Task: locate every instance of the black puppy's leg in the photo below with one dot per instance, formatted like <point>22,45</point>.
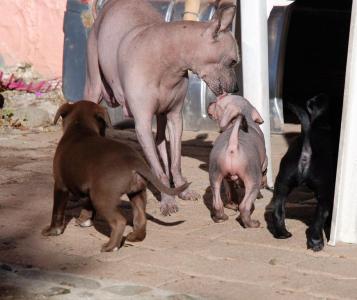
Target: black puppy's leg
<point>283,187</point>
<point>57,226</point>
<point>138,202</point>
<point>315,240</point>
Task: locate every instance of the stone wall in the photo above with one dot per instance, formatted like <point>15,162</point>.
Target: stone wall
<point>32,31</point>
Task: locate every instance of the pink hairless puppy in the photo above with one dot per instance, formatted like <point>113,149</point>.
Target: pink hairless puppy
<point>238,156</point>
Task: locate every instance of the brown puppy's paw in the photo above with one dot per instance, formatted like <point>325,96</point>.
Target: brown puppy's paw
<point>232,205</point>
<point>189,195</point>
<point>168,206</point>
<point>219,218</point>
<point>108,248</point>
<point>84,223</point>
<point>52,231</point>
<point>136,236</point>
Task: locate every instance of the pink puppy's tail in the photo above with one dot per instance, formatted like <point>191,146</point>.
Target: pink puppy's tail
<point>240,122</point>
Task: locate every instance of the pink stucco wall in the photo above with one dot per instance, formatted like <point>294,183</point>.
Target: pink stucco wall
<point>32,31</point>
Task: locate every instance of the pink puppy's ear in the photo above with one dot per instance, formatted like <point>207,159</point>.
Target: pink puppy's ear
<point>63,111</point>
<point>256,117</point>
<point>211,110</point>
<point>231,112</point>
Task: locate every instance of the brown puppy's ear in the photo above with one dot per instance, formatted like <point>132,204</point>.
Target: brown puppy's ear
<point>63,111</point>
<point>222,19</point>
<point>211,110</point>
<point>102,117</point>
<point>256,117</point>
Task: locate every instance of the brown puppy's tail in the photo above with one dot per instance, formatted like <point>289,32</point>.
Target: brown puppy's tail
<point>144,170</point>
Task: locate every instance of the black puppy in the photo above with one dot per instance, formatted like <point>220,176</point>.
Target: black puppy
<point>310,160</point>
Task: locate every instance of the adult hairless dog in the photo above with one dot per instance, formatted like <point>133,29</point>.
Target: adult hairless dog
<point>137,60</point>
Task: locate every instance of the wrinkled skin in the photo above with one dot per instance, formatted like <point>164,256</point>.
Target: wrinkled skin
<point>138,61</point>
<point>238,156</point>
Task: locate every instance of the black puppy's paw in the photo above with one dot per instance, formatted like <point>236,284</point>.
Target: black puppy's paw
<point>315,245</point>
<point>282,233</point>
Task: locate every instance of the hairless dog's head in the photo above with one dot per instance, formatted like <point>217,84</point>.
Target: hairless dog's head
<point>220,54</point>
<point>84,113</point>
<point>227,108</point>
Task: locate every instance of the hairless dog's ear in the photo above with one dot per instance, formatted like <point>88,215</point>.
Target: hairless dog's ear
<point>222,19</point>
<point>63,111</point>
<point>256,117</point>
<point>228,115</point>
<point>211,110</point>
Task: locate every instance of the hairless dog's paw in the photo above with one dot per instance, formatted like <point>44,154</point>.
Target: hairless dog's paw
<point>247,222</point>
<point>52,231</point>
<point>231,205</point>
<point>219,217</point>
<point>189,195</point>
<point>168,206</point>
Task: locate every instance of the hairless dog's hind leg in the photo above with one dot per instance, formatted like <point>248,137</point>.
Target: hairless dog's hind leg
<point>93,86</point>
<point>143,130</point>
<point>161,142</point>
<point>174,118</point>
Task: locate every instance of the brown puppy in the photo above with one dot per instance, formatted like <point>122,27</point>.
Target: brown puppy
<point>88,164</point>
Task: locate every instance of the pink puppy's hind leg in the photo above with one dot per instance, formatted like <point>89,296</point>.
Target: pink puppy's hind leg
<point>247,205</point>
<point>218,214</point>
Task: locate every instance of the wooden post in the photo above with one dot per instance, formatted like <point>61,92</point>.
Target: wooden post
<point>192,8</point>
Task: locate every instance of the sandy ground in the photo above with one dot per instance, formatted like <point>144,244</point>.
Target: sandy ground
<point>184,256</point>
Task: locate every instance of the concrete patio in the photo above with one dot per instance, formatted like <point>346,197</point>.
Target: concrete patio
<point>184,256</point>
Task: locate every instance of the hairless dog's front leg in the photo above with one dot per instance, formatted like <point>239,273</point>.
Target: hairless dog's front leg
<point>174,119</point>
<point>143,130</point>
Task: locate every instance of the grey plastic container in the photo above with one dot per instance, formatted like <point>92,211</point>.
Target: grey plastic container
<point>74,51</point>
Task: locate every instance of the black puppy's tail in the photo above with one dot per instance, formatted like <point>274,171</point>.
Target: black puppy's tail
<point>143,169</point>
<point>306,151</point>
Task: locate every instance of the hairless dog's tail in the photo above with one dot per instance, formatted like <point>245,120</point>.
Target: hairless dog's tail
<point>306,151</point>
<point>144,170</point>
<point>240,122</point>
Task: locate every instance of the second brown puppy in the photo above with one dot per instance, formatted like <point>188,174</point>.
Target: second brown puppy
<point>88,164</point>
